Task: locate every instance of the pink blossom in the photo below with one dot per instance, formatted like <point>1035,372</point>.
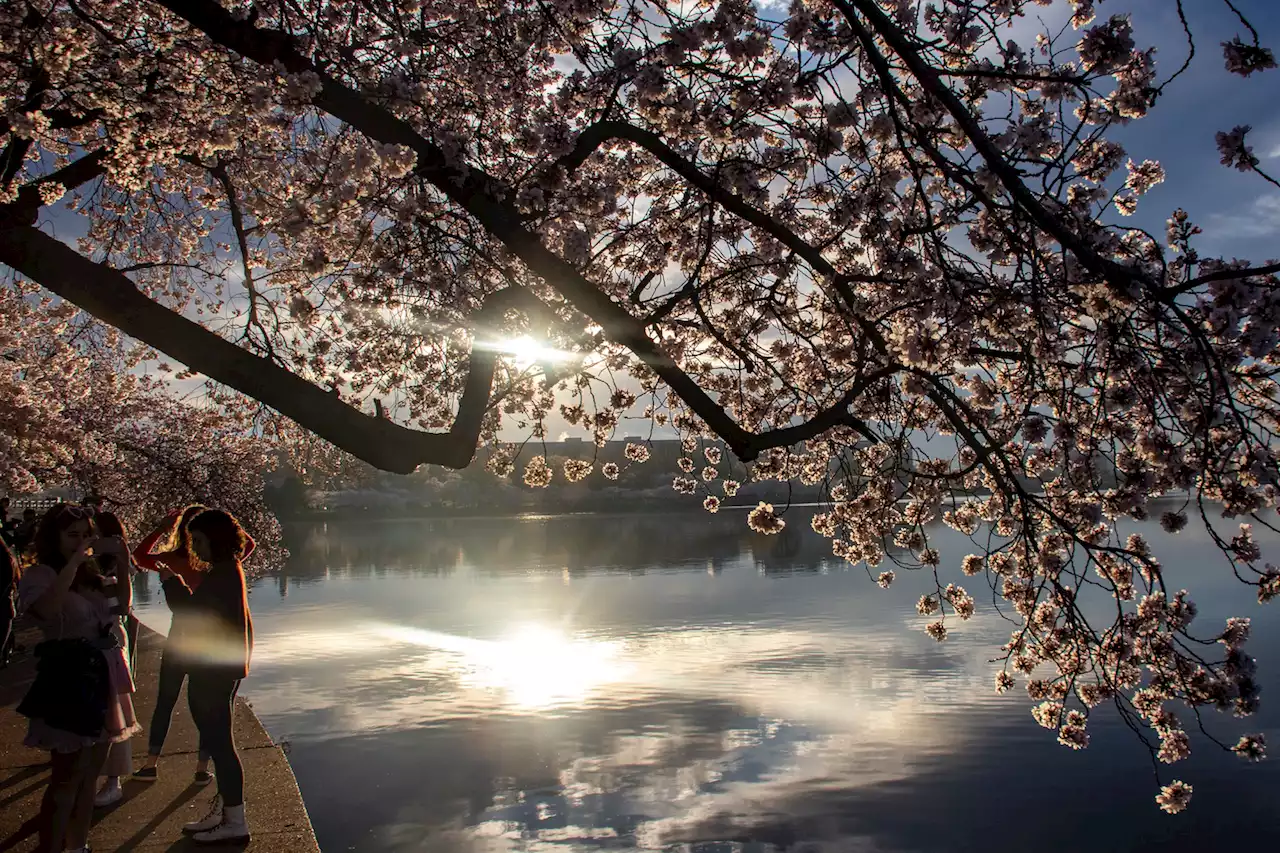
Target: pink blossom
<point>1251,747</point>
<point>576,470</point>
<point>1047,714</point>
<point>1244,59</point>
<point>762,519</point>
<point>1143,176</point>
<point>1073,733</point>
<point>1233,150</point>
<point>711,212</point>
<point>536,473</point>
<point>1174,797</point>
<point>1174,746</point>
<point>1082,13</point>
<point>1105,46</point>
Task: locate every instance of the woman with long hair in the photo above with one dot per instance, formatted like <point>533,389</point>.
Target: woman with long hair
<point>217,645</point>
<point>80,701</point>
<point>117,577</point>
<point>171,554</point>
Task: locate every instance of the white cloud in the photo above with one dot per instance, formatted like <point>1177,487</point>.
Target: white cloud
<point>1261,218</point>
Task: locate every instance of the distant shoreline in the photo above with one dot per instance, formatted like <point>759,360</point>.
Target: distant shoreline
<point>666,507</point>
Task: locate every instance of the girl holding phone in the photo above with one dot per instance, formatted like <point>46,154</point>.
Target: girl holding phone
<point>80,702</point>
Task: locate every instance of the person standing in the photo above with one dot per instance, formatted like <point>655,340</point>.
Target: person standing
<point>172,555</point>
<point>8,526</point>
<point>117,577</point>
<point>25,531</point>
<point>79,703</point>
<point>217,645</point>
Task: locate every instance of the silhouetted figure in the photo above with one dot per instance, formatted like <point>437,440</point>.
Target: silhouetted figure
<point>216,644</point>
<point>80,701</point>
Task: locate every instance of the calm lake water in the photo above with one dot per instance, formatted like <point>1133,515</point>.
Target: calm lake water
<point>676,682</point>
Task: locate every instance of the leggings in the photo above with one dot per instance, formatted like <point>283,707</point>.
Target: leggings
<point>213,700</point>
<point>131,625</point>
<point>172,673</point>
<point>66,810</point>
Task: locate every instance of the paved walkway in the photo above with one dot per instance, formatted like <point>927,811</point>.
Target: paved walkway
<point>150,817</point>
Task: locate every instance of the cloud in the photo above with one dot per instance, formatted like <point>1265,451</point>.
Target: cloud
<point>1260,218</point>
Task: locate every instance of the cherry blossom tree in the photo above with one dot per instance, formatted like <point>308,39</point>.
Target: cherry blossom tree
<point>80,415</point>
<point>814,233</point>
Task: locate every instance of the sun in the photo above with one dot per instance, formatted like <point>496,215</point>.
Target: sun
<point>526,352</point>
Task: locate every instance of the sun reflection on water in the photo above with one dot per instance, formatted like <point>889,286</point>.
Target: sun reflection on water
<point>534,667</point>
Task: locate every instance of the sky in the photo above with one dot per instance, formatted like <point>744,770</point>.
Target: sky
<point>1239,212</point>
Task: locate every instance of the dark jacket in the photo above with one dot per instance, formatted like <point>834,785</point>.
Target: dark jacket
<point>217,630</point>
<point>72,688</point>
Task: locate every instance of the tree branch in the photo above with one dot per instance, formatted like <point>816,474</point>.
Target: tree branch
<point>27,205</point>
<point>475,191</point>
<point>603,132</point>
<point>115,299</point>
<point>1222,275</point>
<point>112,297</point>
<point>219,172</point>
<point>16,151</point>
<point>970,123</point>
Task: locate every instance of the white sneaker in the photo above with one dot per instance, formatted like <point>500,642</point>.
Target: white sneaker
<point>209,821</point>
<point>110,794</point>
<point>233,829</point>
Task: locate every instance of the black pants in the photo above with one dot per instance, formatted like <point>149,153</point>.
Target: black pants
<point>213,700</point>
<point>131,626</point>
<point>172,673</point>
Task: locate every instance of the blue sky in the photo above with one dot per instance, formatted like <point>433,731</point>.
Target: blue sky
<point>1239,212</point>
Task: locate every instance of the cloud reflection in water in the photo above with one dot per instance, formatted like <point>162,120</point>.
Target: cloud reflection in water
<point>778,702</point>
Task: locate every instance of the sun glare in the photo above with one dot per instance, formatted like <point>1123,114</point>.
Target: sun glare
<point>526,351</point>
<point>534,667</point>
<point>537,667</point>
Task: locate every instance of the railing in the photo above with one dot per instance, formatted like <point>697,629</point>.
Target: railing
<point>18,504</point>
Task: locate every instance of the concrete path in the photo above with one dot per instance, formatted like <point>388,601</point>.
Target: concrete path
<point>150,817</point>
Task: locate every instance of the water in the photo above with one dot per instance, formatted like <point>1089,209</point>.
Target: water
<point>676,682</point>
